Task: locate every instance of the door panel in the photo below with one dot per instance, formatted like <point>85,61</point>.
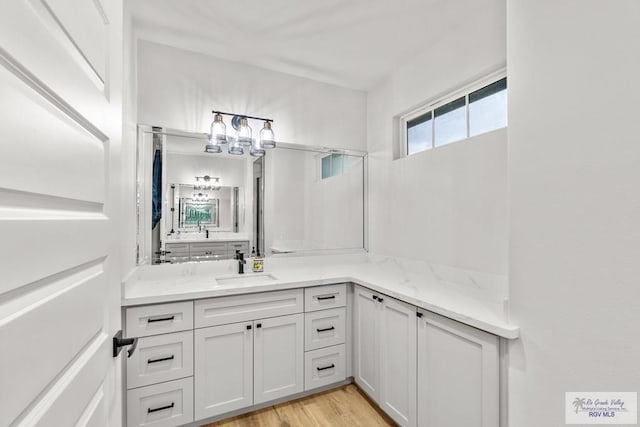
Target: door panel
<point>223,369</point>
<point>60,130</point>
<point>457,374</point>
<point>398,361</point>
<point>279,357</point>
<point>365,337</point>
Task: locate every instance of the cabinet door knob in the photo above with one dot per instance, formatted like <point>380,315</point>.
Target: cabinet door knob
<point>259,325</point>
<point>375,297</point>
<point>248,327</point>
<point>380,299</point>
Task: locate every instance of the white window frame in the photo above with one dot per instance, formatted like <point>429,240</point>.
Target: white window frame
<point>439,101</point>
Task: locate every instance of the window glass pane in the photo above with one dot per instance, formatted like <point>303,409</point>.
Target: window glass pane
<point>419,135</point>
<point>337,164</point>
<point>450,122</point>
<point>488,108</point>
<point>326,167</point>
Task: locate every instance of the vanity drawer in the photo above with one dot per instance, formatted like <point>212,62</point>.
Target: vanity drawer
<point>202,249</point>
<point>243,247</point>
<point>159,319</point>
<point>161,405</point>
<point>324,328</point>
<point>240,308</point>
<point>323,297</point>
<point>177,249</point>
<point>161,358</point>
<point>324,366</point>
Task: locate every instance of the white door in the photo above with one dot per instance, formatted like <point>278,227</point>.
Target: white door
<point>60,130</point>
<point>457,374</point>
<point>223,369</point>
<point>398,341</point>
<point>365,335</point>
<point>278,357</point>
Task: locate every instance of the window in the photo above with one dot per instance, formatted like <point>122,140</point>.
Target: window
<point>478,109</point>
<point>332,165</point>
<point>419,133</point>
<point>488,108</point>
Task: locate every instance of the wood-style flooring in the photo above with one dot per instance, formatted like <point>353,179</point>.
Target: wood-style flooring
<point>342,407</point>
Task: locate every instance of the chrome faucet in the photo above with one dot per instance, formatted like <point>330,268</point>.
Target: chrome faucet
<point>241,261</point>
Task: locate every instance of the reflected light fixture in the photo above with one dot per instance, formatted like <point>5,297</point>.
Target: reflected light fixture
<point>206,183</point>
<point>243,137</point>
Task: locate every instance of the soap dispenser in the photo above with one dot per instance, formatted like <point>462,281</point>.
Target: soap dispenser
<point>257,261</point>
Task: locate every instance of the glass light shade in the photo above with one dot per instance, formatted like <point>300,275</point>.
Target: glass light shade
<point>236,148</point>
<point>244,133</point>
<point>218,130</point>
<point>267,138</point>
<point>212,146</point>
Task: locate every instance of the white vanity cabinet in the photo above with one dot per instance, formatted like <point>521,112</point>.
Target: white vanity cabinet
<point>458,374</point>
<point>249,349</point>
<point>278,353</point>
<point>385,353</point>
<point>223,369</point>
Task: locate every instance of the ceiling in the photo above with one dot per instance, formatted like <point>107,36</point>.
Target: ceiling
<point>351,43</point>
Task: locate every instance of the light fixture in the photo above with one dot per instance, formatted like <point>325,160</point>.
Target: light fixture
<point>218,133</point>
<point>244,133</point>
<point>243,138</point>
<point>206,183</point>
<point>267,138</point>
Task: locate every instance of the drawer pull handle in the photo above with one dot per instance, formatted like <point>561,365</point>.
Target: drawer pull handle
<point>326,367</point>
<point>162,408</point>
<point>162,359</point>
<point>329,297</point>
<point>331,328</point>
<point>375,297</point>
<point>161,319</point>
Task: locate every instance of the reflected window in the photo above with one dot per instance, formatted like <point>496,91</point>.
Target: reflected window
<point>332,165</point>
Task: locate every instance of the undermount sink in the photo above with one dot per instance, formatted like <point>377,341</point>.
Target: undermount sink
<point>246,279</point>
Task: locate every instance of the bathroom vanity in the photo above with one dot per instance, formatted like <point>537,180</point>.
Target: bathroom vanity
<point>213,344</point>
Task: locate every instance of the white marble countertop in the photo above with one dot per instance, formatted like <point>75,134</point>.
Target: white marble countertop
<point>474,298</point>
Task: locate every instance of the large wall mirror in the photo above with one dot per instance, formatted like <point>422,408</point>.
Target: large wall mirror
<point>197,206</point>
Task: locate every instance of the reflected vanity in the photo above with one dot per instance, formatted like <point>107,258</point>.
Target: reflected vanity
<point>198,206</point>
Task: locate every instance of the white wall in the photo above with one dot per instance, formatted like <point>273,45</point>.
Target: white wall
<point>574,172</point>
<point>178,89</point>
<point>447,205</point>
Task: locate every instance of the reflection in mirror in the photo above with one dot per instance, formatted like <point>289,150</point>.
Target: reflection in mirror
<point>197,206</point>
<point>196,201</point>
<point>314,200</point>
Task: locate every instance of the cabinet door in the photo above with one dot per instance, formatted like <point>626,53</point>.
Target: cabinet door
<point>398,358</point>
<point>457,374</point>
<point>279,357</point>
<point>223,369</point>
<point>365,336</point>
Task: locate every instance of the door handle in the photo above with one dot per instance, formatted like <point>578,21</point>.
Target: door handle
<point>119,342</point>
